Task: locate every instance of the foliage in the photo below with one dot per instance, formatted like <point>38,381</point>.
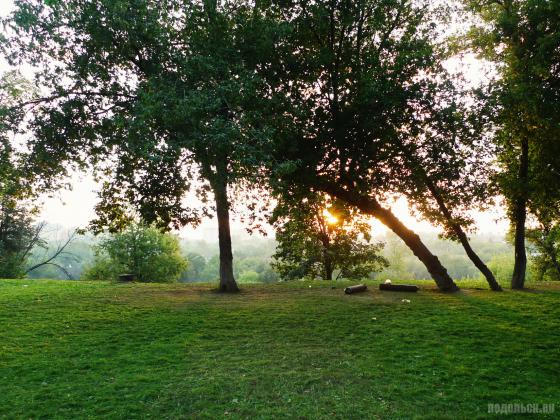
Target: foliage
<point>522,37</point>
<point>371,108</point>
<point>249,277</point>
<point>251,256</point>
<point>502,266</point>
<point>18,236</point>
<point>161,89</point>
<point>18,232</point>
<point>398,259</point>
<point>168,93</point>
<point>317,238</point>
<point>102,268</point>
<point>170,348</point>
<point>545,251</point>
<point>197,263</point>
<point>141,250</point>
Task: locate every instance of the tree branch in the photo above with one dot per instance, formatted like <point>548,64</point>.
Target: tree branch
<point>60,249</point>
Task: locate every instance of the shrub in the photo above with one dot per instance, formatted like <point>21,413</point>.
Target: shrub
<point>152,256</point>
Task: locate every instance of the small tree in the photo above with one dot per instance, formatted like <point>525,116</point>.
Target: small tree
<point>152,256</point>
<point>317,238</point>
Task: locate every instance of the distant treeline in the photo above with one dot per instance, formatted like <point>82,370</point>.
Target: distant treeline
<point>253,258</point>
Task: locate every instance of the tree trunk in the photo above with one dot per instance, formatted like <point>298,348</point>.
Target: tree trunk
<point>413,241</point>
<point>462,236</point>
<point>328,268</point>
<point>457,229</point>
<point>327,259</point>
<point>227,280</point>
<point>519,218</point>
<point>370,205</point>
<point>477,261</point>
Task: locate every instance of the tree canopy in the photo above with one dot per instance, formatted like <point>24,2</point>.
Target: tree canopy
<point>167,101</point>
<point>367,102</point>
<point>158,98</point>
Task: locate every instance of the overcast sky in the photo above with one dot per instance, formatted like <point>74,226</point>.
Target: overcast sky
<point>74,207</point>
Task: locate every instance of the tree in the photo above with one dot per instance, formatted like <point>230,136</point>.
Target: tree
<point>546,253</point>
<point>522,37</point>
<point>167,92</point>
<point>317,238</point>
<point>73,258</point>
<point>145,252</point>
<point>453,180</point>
<point>249,276</point>
<point>361,80</point>
<point>18,232</point>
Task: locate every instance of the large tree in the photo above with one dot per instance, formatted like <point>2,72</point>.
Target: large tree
<point>159,98</point>
<point>523,38</point>
<point>365,93</point>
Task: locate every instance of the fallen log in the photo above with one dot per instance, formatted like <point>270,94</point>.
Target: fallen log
<point>398,287</point>
<point>355,289</point>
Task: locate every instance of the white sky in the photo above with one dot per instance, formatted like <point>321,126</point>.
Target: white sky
<point>71,208</point>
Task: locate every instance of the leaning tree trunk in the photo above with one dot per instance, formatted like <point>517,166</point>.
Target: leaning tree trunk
<point>483,268</point>
<point>227,280</point>
<point>462,236</point>
<point>413,241</point>
<point>519,218</point>
<point>370,205</point>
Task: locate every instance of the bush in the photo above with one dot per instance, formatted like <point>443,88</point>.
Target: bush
<point>103,268</point>
<point>152,256</point>
<point>249,276</point>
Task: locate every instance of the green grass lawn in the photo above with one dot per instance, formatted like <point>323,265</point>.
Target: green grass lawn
<point>292,350</point>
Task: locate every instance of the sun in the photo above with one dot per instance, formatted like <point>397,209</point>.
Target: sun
<point>329,217</point>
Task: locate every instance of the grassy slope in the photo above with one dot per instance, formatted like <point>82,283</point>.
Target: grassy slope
<point>79,349</point>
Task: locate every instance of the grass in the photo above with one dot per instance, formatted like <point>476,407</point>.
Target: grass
<point>292,350</point>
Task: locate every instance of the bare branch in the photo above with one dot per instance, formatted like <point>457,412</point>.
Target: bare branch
<point>59,251</point>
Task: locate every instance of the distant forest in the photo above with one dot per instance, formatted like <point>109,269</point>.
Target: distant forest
<point>253,257</point>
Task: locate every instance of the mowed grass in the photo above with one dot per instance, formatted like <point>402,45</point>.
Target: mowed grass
<point>291,350</point>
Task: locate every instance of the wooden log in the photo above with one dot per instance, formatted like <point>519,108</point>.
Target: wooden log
<point>126,277</point>
<point>398,287</point>
<point>355,289</point>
